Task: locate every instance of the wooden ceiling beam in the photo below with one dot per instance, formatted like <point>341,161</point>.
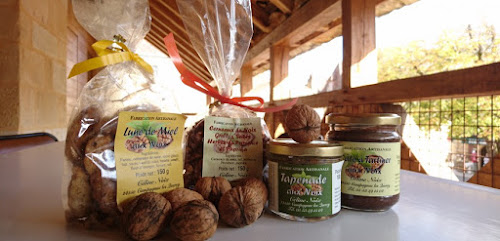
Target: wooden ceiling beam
<point>179,42</point>
<point>311,16</point>
<point>190,66</point>
<point>195,64</point>
<point>185,54</point>
<point>260,18</point>
<point>286,6</point>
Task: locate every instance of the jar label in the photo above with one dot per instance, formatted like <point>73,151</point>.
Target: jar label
<point>305,190</point>
<point>148,153</point>
<point>371,168</point>
<point>232,148</point>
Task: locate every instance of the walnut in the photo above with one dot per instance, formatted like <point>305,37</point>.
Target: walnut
<point>256,184</point>
<point>146,216</point>
<point>81,128</point>
<point>212,188</point>
<point>195,220</point>
<point>240,206</point>
<point>302,124</point>
<point>79,194</point>
<point>355,170</point>
<point>99,154</point>
<point>137,143</point>
<point>164,139</point>
<point>104,193</point>
<point>179,196</point>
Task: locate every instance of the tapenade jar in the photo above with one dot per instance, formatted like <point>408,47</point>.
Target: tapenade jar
<point>372,151</point>
<point>304,179</point>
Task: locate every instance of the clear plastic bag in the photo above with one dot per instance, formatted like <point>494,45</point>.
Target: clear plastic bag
<point>220,31</point>
<point>89,185</point>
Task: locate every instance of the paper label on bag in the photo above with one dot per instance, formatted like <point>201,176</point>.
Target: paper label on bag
<point>148,153</point>
<point>232,147</point>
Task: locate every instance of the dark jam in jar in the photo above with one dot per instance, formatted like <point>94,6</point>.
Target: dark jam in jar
<point>372,151</point>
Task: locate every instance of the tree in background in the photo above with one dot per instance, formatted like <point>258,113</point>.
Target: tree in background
<point>452,51</point>
<point>467,117</point>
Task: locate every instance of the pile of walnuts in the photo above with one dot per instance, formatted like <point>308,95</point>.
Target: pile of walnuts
<point>90,151</point>
<point>193,215</point>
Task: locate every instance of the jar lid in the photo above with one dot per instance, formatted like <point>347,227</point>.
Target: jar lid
<point>364,119</point>
<point>289,147</point>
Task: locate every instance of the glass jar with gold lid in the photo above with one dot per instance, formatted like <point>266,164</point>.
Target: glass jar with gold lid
<point>372,151</point>
<point>304,179</point>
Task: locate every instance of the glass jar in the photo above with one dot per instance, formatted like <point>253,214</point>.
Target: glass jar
<point>304,179</point>
<point>372,152</point>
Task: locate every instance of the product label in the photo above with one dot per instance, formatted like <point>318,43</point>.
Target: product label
<point>305,190</point>
<point>148,153</point>
<point>371,168</point>
<point>232,147</point>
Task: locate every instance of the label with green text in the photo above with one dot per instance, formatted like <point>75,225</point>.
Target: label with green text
<point>371,168</point>
<point>305,190</point>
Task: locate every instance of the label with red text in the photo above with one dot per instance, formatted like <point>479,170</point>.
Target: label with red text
<point>232,147</point>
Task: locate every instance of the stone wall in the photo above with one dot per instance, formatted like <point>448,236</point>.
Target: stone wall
<point>33,63</point>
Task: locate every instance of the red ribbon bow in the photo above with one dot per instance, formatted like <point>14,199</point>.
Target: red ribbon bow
<point>196,83</point>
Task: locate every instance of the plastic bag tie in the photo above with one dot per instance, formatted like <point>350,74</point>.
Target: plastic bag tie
<point>108,54</point>
<point>196,83</point>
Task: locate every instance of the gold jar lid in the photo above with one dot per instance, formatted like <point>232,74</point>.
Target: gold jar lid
<point>289,147</point>
<point>364,119</point>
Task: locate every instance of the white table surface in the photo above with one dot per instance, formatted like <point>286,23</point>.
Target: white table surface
<point>429,209</point>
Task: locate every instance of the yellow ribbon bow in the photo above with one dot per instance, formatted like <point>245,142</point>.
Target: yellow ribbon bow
<point>108,55</point>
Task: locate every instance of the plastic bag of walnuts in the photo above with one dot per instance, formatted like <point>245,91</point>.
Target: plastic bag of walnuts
<point>89,185</point>
<point>230,141</point>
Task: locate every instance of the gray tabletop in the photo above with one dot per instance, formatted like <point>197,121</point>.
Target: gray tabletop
<point>429,209</point>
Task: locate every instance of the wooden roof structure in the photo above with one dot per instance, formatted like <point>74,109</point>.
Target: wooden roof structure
<point>298,25</point>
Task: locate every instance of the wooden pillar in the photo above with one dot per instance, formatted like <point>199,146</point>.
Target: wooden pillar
<point>246,83</point>
<point>280,54</point>
<point>360,53</point>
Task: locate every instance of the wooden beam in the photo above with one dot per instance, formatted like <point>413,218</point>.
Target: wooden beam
<point>313,15</point>
<point>260,18</point>
<point>286,6</point>
<point>190,66</point>
<point>360,53</point>
<point>482,80</point>
<point>279,66</point>
<point>246,83</point>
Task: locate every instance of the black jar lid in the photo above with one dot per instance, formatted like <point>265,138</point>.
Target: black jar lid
<point>289,147</point>
<point>364,119</point>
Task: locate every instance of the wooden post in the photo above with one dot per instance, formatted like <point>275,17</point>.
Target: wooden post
<point>246,83</point>
<point>360,53</point>
<point>280,55</point>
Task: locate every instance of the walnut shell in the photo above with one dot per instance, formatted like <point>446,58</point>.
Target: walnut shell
<point>240,206</point>
<point>146,216</point>
<point>212,188</point>
<point>79,194</point>
<point>302,124</point>
<point>179,196</point>
<point>81,128</point>
<point>104,193</point>
<point>99,154</point>
<point>258,185</point>
<point>195,220</point>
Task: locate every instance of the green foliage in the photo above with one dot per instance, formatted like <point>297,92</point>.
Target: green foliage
<point>469,48</point>
<point>467,117</point>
